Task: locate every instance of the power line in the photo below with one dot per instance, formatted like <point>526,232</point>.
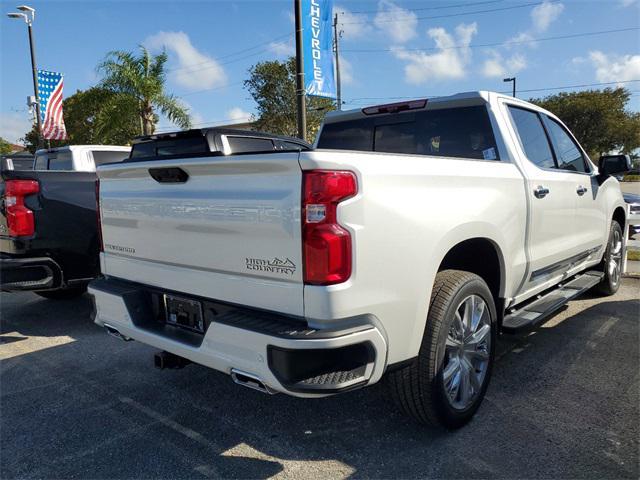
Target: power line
<point>441,7</point>
<point>353,100</point>
<point>479,45</point>
<point>216,59</point>
<point>577,86</point>
<point>228,85</point>
<point>460,14</point>
<point>498,44</point>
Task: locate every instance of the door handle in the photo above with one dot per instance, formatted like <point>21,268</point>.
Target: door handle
<point>541,192</point>
<point>169,175</point>
<point>581,190</point>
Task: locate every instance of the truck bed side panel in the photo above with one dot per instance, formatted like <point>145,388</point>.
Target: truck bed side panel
<point>409,212</point>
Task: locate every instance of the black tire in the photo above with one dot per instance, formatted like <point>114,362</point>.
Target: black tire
<point>419,389</point>
<point>63,294</point>
<point>610,283</point>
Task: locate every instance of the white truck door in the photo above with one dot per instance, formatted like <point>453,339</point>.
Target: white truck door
<point>552,240</point>
<point>591,224</point>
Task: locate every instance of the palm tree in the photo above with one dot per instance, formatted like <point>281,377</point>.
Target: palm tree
<point>141,79</point>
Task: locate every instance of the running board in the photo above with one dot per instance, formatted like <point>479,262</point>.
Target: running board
<point>535,312</point>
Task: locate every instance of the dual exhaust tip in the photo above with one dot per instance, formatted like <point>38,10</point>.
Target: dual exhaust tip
<point>164,360</point>
<point>251,381</point>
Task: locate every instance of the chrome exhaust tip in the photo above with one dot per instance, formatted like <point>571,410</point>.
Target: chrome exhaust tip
<point>114,332</point>
<point>250,381</point>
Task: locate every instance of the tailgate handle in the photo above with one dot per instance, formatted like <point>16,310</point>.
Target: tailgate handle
<point>169,175</point>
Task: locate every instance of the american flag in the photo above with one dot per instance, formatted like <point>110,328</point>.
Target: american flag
<point>50,93</point>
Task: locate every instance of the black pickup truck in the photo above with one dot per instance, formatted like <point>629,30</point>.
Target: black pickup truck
<point>48,225</point>
<point>49,236</point>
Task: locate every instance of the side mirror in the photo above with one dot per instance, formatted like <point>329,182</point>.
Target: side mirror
<point>613,164</point>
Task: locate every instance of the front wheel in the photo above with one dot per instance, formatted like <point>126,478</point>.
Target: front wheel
<point>446,383</point>
<point>612,262</point>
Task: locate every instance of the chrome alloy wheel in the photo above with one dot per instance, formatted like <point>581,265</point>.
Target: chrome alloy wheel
<point>467,352</point>
<point>614,262</point>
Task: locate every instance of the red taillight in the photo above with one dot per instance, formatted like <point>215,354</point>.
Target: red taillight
<point>19,218</point>
<point>326,244</point>
<point>99,224</point>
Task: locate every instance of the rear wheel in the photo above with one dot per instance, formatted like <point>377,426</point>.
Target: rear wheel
<point>445,385</point>
<point>612,262</point>
<point>63,294</point>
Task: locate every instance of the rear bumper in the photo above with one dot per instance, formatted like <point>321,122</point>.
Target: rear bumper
<point>283,353</point>
<point>38,273</point>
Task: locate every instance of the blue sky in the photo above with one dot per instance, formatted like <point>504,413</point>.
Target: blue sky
<point>390,48</point>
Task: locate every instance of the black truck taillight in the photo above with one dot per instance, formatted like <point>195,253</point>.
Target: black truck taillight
<point>20,222</point>
<point>326,243</point>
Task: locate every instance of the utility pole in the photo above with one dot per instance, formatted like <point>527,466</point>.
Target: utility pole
<point>336,37</point>
<point>28,15</point>
<point>511,79</point>
<point>300,93</point>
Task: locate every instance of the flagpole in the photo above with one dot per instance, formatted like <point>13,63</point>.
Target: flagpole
<point>35,84</point>
<point>300,93</point>
<point>28,14</point>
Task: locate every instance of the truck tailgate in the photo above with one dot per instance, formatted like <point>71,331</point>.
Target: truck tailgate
<point>230,232</point>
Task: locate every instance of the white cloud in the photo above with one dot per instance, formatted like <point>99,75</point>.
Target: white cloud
<point>542,16</point>
<point>545,14</point>
<point>523,38</point>
<point>447,63</point>
<point>195,70</point>
<point>353,25</point>
<point>399,24</point>
<point>14,126</point>
<point>346,72</point>
<point>282,49</point>
<point>237,114</point>
<point>627,3</point>
<point>288,13</point>
<point>612,68</point>
<point>496,66</point>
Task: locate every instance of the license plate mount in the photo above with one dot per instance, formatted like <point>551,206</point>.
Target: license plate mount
<point>184,313</point>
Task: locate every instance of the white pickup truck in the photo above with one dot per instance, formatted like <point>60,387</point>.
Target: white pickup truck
<point>402,244</point>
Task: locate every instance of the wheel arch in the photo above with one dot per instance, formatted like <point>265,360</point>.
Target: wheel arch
<point>479,255</point>
<point>620,216</point>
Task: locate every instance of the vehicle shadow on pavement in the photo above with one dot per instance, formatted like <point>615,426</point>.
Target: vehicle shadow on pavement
<point>563,403</point>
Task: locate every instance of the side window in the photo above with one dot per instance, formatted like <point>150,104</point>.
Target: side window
<point>248,145</point>
<point>61,161</point>
<point>568,153</point>
<point>532,137</point>
<point>41,162</point>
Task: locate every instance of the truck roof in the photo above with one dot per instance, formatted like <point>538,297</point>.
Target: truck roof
<point>461,99</point>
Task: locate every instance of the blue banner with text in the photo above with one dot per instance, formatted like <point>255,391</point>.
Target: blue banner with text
<point>317,42</point>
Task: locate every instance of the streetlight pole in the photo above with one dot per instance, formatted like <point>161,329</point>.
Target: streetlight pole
<point>28,16</point>
<point>300,93</point>
<point>511,79</point>
<point>336,37</point>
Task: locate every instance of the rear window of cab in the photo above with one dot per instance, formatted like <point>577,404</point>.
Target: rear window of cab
<point>463,132</point>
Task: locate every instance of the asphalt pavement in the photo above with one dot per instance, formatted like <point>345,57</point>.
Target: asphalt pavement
<point>564,402</point>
